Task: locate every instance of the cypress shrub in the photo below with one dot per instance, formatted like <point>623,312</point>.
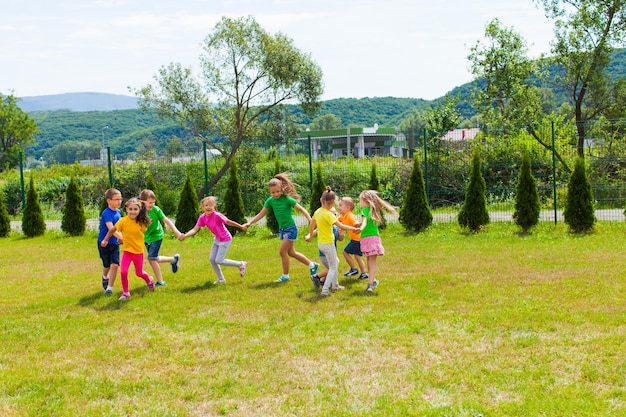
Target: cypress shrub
<point>318,190</point>
<point>151,185</point>
<point>233,203</point>
<point>578,212</point>
<point>527,205</point>
<point>5,220</point>
<point>473,213</point>
<point>374,184</point>
<point>33,223</point>
<point>270,217</point>
<point>188,207</point>
<point>73,222</point>
<point>415,214</point>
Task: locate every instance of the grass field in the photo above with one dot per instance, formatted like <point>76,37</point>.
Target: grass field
<point>487,324</point>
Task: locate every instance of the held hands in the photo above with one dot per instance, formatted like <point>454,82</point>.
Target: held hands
<point>104,243</point>
<point>308,237</point>
<point>182,236</point>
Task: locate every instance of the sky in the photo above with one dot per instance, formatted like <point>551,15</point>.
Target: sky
<point>365,48</point>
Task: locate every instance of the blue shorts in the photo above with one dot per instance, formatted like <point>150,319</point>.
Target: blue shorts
<point>289,233</point>
<point>153,249</point>
<point>353,248</point>
<point>110,254</point>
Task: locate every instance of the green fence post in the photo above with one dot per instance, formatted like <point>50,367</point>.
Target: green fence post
<point>310,165</point>
<point>426,166</point>
<point>22,179</point>
<point>110,165</point>
<point>206,171</point>
<point>554,175</point>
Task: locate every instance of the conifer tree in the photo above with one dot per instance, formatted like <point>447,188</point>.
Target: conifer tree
<point>473,213</point>
<point>527,205</point>
<point>74,220</point>
<point>188,207</point>
<point>579,213</point>
<point>374,184</point>
<point>33,223</point>
<point>5,220</point>
<point>318,190</point>
<point>270,217</point>
<point>415,214</point>
<point>151,185</point>
<point>233,203</point>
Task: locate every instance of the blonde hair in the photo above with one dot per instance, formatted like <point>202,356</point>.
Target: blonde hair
<point>375,203</point>
<point>286,185</point>
<point>209,198</point>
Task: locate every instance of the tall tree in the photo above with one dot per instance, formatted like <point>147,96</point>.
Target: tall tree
<point>586,32</point>
<point>74,220</point>
<point>415,214</point>
<point>578,212</point>
<point>473,214</point>
<point>527,204</point>
<point>17,130</point>
<point>33,223</point>
<point>5,220</point>
<point>246,73</point>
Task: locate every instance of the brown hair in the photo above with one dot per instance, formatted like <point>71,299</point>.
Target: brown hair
<point>142,217</point>
<point>328,195</point>
<point>111,192</point>
<point>146,194</point>
<point>348,201</point>
<point>286,185</point>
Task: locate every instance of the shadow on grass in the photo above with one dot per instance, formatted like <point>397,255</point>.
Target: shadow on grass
<point>91,301</point>
<point>206,286</point>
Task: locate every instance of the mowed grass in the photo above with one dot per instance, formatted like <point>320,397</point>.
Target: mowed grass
<point>487,324</point>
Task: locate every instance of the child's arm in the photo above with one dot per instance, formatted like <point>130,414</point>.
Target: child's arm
<point>345,226</point>
<point>110,233</point>
<point>256,218</point>
<point>303,210</point>
<point>232,223</point>
<point>189,233</point>
<point>172,226</point>
<point>109,226</point>
<point>311,233</point>
<point>388,206</point>
<point>362,226</point>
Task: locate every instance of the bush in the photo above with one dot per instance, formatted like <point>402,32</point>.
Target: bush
<point>73,222</point>
<point>527,205</point>
<point>318,190</point>
<point>33,223</point>
<point>233,203</point>
<point>473,213</point>
<point>188,207</point>
<point>5,220</point>
<point>415,214</point>
<point>578,212</point>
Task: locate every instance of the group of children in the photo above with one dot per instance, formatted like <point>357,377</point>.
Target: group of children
<point>141,229</point>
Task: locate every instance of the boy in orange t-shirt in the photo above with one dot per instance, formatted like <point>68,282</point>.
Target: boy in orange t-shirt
<point>353,248</point>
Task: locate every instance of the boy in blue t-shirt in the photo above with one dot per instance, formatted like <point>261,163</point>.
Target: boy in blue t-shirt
<point>110,254</point>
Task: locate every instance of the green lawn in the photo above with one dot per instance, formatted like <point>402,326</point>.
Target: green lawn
<point>488,324</point>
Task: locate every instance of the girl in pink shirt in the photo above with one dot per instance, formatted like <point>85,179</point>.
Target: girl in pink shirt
<point>216,222</point>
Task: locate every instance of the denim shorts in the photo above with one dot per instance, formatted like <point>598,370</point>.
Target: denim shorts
<point>153,248</point>
<point>289,233</point>
<point>353,248</point>
<point>110,254</point>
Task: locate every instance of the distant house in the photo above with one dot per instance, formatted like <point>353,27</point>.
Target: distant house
<point>461,134</point>
<point>210,154</point>
<point>357,142</point>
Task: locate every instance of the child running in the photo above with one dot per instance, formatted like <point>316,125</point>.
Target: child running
<point>371,245</point>
<point>324,219</point>
<point>153,237</point>
<point>216,222</point>
<point>110,255</point>
<point>283,200</point>
<point>132,227</point>
<point>353,248</point>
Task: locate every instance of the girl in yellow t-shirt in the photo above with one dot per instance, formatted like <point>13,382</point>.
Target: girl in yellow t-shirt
<point>323,219</point>
<point>132,227</point>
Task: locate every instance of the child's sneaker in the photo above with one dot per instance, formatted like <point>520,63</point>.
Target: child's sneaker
<point>375,283</point>
<point>325,293</point>
<point>313,269</point>
<point>151,285</point>
<point>242,268</point>
<point>364,275</point>
<point>219,282</point>
<point>175,263</point>
<point>338,288</point>
<point>124,296</point>
<point>108,291</point>
<point>160,284</point>
<point>105,282</point>
<point>283,279</point>
<point>316,281</point>
<point>352,272</point>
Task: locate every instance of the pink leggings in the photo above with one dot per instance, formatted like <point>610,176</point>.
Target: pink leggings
<point>137,260</point>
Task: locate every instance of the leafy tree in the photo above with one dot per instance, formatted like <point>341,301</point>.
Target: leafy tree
<point>68,152</point>
<point>188,207</point>
<point>74,220</point>
<point>270,217</point>
<point>326,122</point>
<point>527,204</point>
<point>233,203</point>
<point>586,32</point>
<point>578,212</point>
<point>174,147</point>
<point>504,94</point>
<point>5,220</point>
<point>374,184</point>
<point>17,130</point>
<point>247,72</point>
<point>415,214</point>
<point>444,116</point>
<point>33,223</point>
<point>473,214</point>
<point>318,189</point>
